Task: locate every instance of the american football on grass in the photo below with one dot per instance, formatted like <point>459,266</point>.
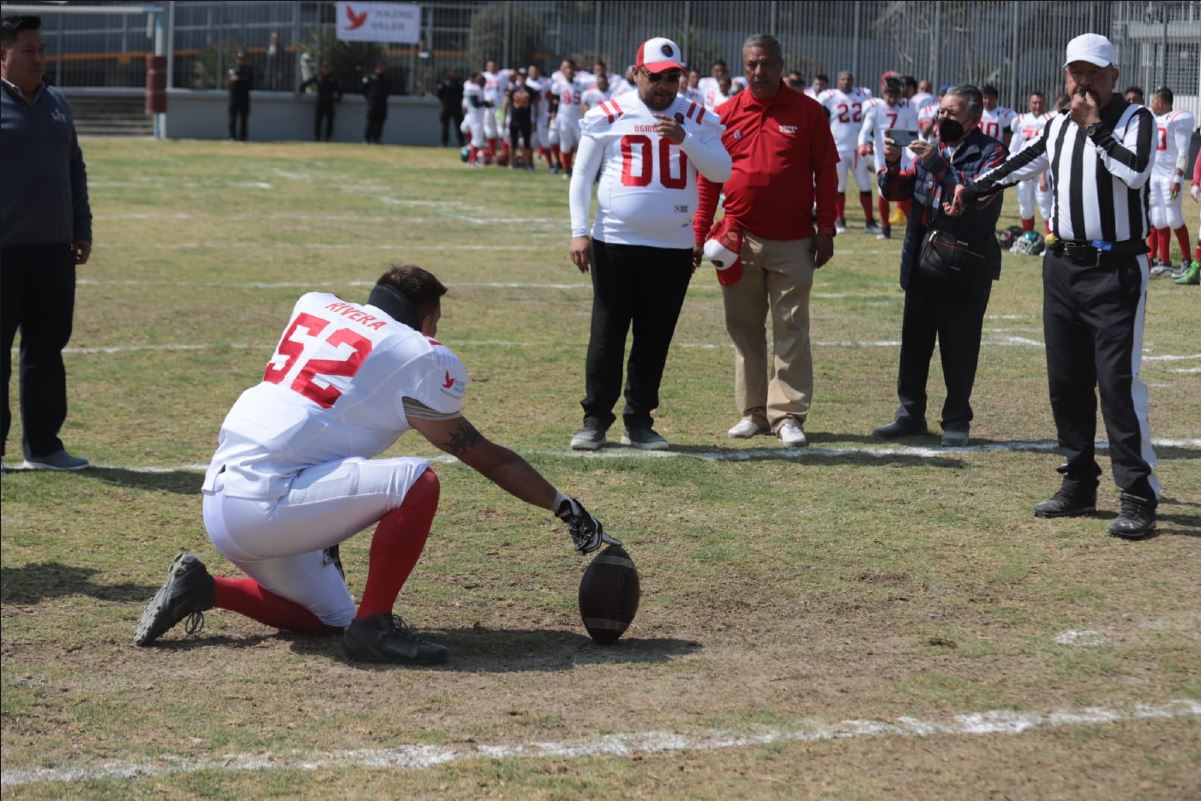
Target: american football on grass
<point>609,593</point>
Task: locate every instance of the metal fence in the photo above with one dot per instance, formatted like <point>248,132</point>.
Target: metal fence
<point>1015,45</point>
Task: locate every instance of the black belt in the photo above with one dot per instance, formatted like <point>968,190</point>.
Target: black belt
<point>1092,253</point>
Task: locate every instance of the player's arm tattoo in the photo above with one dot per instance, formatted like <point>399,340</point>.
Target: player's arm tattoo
<point>463,438</point>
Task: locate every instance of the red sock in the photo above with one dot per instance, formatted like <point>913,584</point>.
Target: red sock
<point>840,207</point>
<point>507,149</point>
<point>1152,239</point>
<point>865,200</point>
<point>1182,240</point>
<point>491,146</point>
<point>1165,244</point>
<point>397,545</point>
<point>1197,252</point>
<point>1028,224</point>
<point>882,207</point>
<point>246,597</point>
<point>473,155</point>
<point>905,205</point>
<point>1046,226</point>
<point>566,156</point>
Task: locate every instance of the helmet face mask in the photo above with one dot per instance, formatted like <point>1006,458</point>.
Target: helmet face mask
<point>1030,243</point>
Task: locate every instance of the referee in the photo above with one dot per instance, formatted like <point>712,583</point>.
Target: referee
<point>1095,273</point>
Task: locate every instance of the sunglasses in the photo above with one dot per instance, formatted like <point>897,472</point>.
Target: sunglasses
<point>671,76</point>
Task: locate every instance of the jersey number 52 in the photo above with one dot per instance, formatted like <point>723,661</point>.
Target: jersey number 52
<point>305,381</point>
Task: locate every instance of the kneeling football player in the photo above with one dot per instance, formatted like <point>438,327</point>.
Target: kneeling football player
<point>293,475</point>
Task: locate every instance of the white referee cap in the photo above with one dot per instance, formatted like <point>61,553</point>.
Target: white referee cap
<point>659,54</point>
<point>1091,47</point>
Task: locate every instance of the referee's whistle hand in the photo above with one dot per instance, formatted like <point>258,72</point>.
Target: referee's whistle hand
<point>581,252</point>
<point>1084,110</point>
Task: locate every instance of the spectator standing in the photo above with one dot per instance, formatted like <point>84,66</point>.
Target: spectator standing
<point>1095,277</point>
<point>648,149</point>
<point>784,166</point>
<point>450,95</point>
<point>946,304</point>
<point>329,93</point>
<point>241,81</point>
<point>45,232</point>
<point>273,63</point>
<point>376,88</point>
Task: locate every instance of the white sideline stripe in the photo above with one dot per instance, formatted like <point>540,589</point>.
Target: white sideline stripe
<point>743,455</point>
<point>621,745</point>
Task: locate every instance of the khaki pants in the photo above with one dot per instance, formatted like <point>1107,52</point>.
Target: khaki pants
<point>777,275</point>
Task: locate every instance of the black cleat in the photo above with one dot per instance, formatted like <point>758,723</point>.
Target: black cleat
<point>1136,521</point>
<point>187,593</point>
<point>1068,502</point>
<point>386,638</point>
<point>901,427</point>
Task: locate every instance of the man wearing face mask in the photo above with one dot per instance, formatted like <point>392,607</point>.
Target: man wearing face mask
<point>1101,153</point>
<point>947,264</point>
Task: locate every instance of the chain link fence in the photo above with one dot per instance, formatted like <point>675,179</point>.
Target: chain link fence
<point>1015,45</point>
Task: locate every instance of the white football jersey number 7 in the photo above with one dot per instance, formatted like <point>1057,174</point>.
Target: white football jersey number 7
<point>290,350</point>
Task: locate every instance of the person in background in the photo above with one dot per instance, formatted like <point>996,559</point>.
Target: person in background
<point>329,93</point>
<point>820,84</point>
<point>273,64</point>
<point>1134,95</point>
<point>795,81</point>
<point>376,88</point>
<point>520,101</point>
<point>45,233</point>
<point>778,228</point>
<point>241,81</point>
<point>450,95</point>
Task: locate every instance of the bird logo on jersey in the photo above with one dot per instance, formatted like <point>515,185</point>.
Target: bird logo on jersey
<point>449,382</point>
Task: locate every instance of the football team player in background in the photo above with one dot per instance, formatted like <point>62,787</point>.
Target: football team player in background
<point>882,114</point>
<point>647,148</point>
<point>1025,129</point>
<point>997,121</point>
<point>844,104</point>
<point>1173,129</point>
<point>294,474</point>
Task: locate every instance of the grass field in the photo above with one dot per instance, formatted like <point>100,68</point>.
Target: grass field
<point>851,621</point>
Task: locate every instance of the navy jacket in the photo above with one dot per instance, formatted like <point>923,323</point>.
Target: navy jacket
<point>929,186</point>
<point>44,191</point>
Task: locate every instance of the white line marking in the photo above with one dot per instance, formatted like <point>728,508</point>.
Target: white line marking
<point>1082,639</point>
<point>1185,370</point>
<point>732,455</point>
<point>622,745</point>
<point>1167,357</point>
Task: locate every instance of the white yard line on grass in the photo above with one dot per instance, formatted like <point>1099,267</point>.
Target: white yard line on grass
<point>733,455</point>
<point>621,745</point>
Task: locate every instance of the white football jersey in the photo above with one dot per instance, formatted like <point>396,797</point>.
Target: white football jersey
<point>570,96</point>
<point>715,97</point>
<point>996,122</point>
<point>692,95</point>
<point>492,93</point>
<point>539,85</point>
<point>473,90</point>
<point>594,97</point>
<point>881,117</point>
<point>922,99</point>
<point>647,192</point>
<point>846,115</point>
<point>334,389</point>
<point>1026,128</point>
<point>1172,132</point>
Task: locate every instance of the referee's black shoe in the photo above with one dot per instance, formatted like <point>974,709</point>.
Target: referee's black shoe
<point>1136,521</point>
<point>1070,500</point>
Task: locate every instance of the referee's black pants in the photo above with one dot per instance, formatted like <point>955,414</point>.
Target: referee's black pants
<point>37,296</point>
<point>643,287</point>
<point>1093,326</point>
<point>954,315</point>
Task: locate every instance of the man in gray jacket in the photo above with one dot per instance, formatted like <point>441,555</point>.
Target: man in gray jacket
<point>45,231</point>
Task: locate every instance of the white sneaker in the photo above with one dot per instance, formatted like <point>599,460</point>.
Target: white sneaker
<point>792,434</point>
<point>746,428</point>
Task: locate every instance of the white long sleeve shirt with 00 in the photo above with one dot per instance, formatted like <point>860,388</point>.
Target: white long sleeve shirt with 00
<point>647,192</point>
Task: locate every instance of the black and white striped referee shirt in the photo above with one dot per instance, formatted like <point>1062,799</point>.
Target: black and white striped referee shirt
<point>1100,185</point>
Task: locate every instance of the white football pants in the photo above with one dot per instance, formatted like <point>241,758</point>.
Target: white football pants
<point>1165,212</point>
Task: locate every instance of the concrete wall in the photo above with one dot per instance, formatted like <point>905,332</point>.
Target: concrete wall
<point>281,116</point>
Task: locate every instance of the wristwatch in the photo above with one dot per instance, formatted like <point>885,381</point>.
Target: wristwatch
<point>1091,129</point>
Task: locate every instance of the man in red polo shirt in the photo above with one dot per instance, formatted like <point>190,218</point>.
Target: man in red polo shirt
<point>784,164</point>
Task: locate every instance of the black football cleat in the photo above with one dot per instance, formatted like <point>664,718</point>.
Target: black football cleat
<point>187,593</point>
<point>386,638</point>
<point>1136,521</point>
<point>1068,502</point>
